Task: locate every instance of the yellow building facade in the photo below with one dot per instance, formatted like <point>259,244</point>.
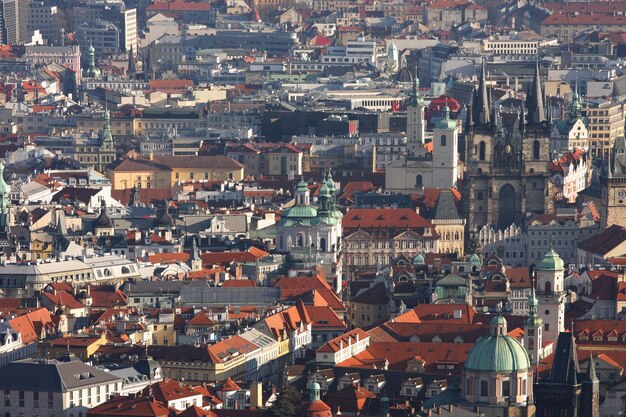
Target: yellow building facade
<point>163,172</point>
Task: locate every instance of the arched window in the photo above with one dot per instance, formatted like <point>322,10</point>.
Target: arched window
<point>536,146</point>
<point>548,287</point>
<point>443,140</point>
<point>482,150</point>
<point>300,241</point>
<point>418,181</point>
<point>323,244</point>
<point>281,241</point>
<point>479,195</point>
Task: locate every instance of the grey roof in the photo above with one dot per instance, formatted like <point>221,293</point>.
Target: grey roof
<point>52,375</point>
<point>257,296</point>
<point>565,368</point>
<point>152,287</point>
<point>445,209</point>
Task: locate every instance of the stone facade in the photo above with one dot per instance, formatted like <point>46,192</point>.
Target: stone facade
<point>613,203</point>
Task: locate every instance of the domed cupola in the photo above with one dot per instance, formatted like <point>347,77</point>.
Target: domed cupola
<point>551,262</point>
<point>418,260</point>
<point>498,369</point>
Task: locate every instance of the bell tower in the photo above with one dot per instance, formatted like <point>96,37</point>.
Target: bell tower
<point>445,152</point>
<point>533,328</point>
<point>415,124</point>
<point>551,294</point>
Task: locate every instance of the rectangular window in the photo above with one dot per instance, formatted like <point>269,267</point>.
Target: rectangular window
<point>7,398</point>
<point>21,399</point>
<point>484,388</point>
<point>506,388</point>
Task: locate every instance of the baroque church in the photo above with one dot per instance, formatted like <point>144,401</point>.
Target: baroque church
<point>440,168</point>
<point>508,151</point>
<point>311,234</point>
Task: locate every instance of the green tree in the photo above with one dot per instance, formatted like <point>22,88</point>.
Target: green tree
<point>287,403</point>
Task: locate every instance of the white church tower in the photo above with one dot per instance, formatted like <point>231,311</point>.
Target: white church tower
<point>551,294</point>
<point>415,125</point>
<point>445,152</point>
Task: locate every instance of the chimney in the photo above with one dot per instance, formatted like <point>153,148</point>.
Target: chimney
<point>256,395</point>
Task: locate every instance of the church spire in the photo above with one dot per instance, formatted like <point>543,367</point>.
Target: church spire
<point>107,136</point>
<point>536,104</point>
<point>469,119</point>
<point>415,98</point>
<point>484,114</point>
<point>576,110</point>
<point>131,62</point>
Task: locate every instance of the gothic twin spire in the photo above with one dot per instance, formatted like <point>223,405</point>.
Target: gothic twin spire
<point>482,102</point>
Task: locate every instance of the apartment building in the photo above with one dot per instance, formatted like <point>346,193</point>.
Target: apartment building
<point>606,122</point>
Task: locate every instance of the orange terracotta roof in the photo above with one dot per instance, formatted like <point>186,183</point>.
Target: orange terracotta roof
<point>223,350</point>
<point>167,258</point>
<point>238,283</point>
<point>346,339</point>
<point>124,406</point>
<point>383,218</point>
<point>169,390</point>
<point>228,385</point>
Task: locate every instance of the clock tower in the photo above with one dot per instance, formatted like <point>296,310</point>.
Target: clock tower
<point>613,179</point>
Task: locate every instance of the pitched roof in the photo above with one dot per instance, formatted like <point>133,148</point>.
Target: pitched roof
<point>383,218</point>
<point>226,349</point>
<point>195,411</point>
<point>605,241</point>
<point>346,339</point>
<point>170,162</point>
<point>31,324</point>
<point>169,390</point>
<point>130,407</point>
<point>323,317</point>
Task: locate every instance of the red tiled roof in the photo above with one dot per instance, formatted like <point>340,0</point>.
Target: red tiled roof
<point>169,390</point>
<point>195,411</point>
<point>238,283</point>
<point>212,258</point>
<point>223,350</point>
<point>604,241</point>
<point>384,218</point>
<point>31,324</point>
<point>130,407</point>
<point>228,385</point>
<point>584,19</point>
<point>168,258</point>
<point>159,6</point>
<point>324,316</point>
<point>352,337</point>
<point>201,319</point>
<point>296,287</point>
<point>170,84</point>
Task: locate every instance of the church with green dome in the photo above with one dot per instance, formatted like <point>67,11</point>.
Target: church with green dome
<point>311,233</point>
<point>91,71</point>
<point>498,371</point>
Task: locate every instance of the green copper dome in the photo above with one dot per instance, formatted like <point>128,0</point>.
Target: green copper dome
<point>419,260</point>
<point>551,262</point>
<point>498,352</point>
<point>475,260</point>
<point>302,185</point>
<point>446,123</point>
<point>300,211</point>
